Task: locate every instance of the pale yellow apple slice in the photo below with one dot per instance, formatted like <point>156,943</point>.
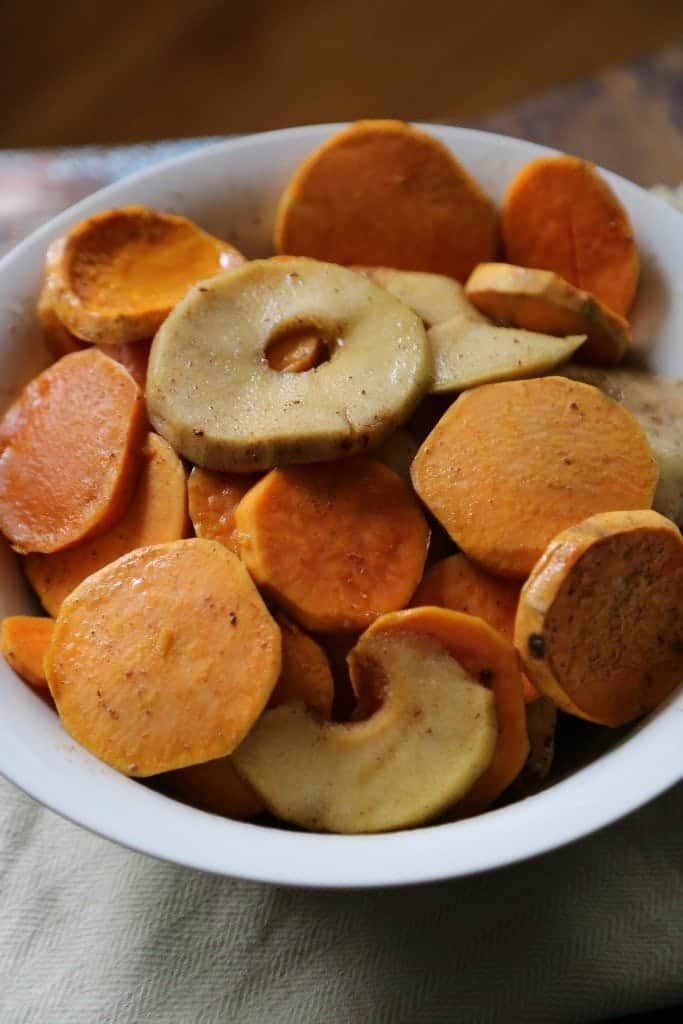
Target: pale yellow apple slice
<point>468,354</point>
<point>212,393</point>
<point>434,297</point>
<point>432,735</point>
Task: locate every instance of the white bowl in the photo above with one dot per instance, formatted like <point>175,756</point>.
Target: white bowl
<point>231,189</point>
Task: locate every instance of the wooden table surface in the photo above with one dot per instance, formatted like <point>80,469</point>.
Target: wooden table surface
<point>628,119</point>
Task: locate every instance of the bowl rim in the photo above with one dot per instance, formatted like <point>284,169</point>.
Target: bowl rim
<point>589,799</point>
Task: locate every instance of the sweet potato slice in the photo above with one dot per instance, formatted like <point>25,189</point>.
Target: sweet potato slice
<point>335,544</point>
<point>467,355</point>
<point>214,786</point>
<point>58,340</point>
<point>213,498</point>
<point>560,215</point>
<point>133,357</point>
<point>657,404</point>
<point>117,275</point>
<point>164,658</point>
<point>382,193</point>
<point>24,640</point>
<point>157,512</point>
<point>512,464</point>
<point>305,678</point>
<point>70,452</point>
<point>432,736</point>
<point>487,656</point>
<point>61,341</point>
<point>540,300</point>
<point>600,619</point>
<point>306,675</point>
<point>461,585</point>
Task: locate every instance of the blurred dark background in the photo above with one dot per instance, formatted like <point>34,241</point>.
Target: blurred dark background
<point>126,70</point>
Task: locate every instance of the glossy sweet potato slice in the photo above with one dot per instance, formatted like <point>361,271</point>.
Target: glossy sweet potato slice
<point>133,357</point>
<point>214,786</point>
<point>58,340</point>
<point>164,658</point>
<point>540,300</point>
<point>487,656</point>
<point>600,619</point>
<point>117,275</point>
<point>382,193</point>
<point>157,512</point>
<point>24,640</point>
<point>305,678</point>
<point>213,498</point>
<point>70,452</point>
<point>463,586</point>
<point>61,341</point>
<point>305,675</point>
<point>512,464</point>
<point>560,214</point>
<point>335,544</point>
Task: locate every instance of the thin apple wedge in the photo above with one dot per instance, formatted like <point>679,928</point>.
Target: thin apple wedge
<point>468,354</point>
<point>434,297</point>
<point>430,735</point>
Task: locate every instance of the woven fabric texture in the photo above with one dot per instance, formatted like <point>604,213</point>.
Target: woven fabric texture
<point>94,934</point>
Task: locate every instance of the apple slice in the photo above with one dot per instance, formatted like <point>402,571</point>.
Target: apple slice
<point>434,297</point>
<point>467,355</point>
<point>431,733</point>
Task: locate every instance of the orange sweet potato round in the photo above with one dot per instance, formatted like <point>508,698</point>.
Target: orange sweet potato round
<point>58,340</point>
<point>118,274</point>
<point>541,300</point>
<point>213,498</point>
<point>216,785</point>
<point>306,674</point>
<point>512,464</point>
<point>157,512</point>
<point>461,585</point>
<point>335,544</point>
<point>133,357</point>
<point>70,450</point>
<point>164,658</point>
<point>560,215</point>
<point>600,619</point>
<point>24,640</point>
<point>382,193</point>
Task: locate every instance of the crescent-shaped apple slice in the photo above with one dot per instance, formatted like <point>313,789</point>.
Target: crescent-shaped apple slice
<point>430,734</point>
